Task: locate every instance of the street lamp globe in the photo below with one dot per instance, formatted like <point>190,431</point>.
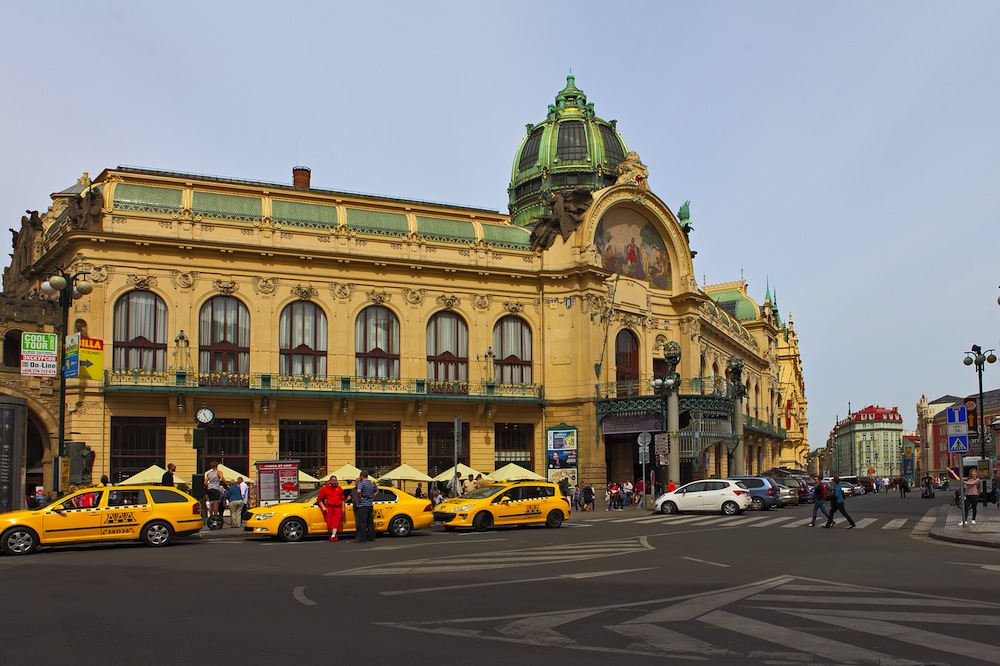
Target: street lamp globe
<point>57,282</point>
<point>48,289</point>
<point>967,360</point>
<point>84,287</point>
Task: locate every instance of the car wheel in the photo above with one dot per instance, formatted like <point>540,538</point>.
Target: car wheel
<point>157,533</point>
<point>292,530</point>
<point>668,508</point>
<point>482,521</point>
<point>757,504</point>
<point>400,526</point>
<point>730,508</point>
<point>19,541</point>
<point>554,519</point>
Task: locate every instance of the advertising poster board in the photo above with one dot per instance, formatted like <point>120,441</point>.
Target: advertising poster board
<point>91,358</point>
<point>561,454</point>
<point>277,481</point>
<point>39,354</point>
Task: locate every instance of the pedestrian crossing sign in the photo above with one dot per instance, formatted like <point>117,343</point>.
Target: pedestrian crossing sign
<point>958,443</point>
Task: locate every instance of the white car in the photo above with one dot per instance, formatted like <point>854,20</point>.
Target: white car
<point>715,495</point>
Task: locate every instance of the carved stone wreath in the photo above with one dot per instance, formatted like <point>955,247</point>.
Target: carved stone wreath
<point>304,293</point>
<point>226,287</point>
<point>413,296</point>
<point>342,291</point>
<point>448,302</point>
<point>101,273</point>
<point>263,285</point>
<point>513,308</point>
<point>184,280</point>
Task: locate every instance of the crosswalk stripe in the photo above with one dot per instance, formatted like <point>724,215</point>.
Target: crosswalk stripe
<point>865,522</point>
<point>894,524</point>
<point>798,524</point>
<point>772,521</point>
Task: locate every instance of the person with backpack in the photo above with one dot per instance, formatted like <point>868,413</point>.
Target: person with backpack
<point>838,504</point>
<point>820,498</point>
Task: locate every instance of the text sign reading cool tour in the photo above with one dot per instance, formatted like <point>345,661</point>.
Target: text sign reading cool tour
<point>39,354</point>
<point>958,430</point>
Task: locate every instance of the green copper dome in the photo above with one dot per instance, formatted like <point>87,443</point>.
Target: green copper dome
<point>571,148</point>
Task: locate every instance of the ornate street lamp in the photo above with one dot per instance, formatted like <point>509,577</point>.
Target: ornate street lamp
<point>69,287</point>
<point>978,357</point>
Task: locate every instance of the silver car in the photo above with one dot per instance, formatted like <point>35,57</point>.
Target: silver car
<point>789,495</point>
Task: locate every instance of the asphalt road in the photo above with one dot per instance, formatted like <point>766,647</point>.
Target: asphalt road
<point>757,588</point>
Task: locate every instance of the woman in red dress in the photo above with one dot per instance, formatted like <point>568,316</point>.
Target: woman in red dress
<point>331,503</point>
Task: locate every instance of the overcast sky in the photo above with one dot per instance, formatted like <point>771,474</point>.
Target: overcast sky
<point>848,153</point>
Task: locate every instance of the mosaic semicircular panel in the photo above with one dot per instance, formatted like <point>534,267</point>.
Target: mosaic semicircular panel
<point>630,245</point>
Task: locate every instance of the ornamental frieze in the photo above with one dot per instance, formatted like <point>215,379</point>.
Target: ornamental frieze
<point>183,280</point>
<point>263,285</point>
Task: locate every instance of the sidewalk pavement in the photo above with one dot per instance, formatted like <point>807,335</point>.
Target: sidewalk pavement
<point>986,531</point>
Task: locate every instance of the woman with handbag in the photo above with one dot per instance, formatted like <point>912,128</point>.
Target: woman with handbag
<point>331,503</point>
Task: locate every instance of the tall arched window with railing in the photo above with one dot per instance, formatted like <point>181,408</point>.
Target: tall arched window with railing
<point>447,348</point>
<point>626,363</point>
<point>302,335</point>
<point>224,342</point>
<point>376,343</point>
<point>140,332</point>
<point>512,347</point>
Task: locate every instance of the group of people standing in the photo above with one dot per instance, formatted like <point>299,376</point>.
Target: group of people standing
<point>331,500</point>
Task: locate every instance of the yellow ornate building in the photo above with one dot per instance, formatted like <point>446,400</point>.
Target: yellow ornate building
<point>335,328</point>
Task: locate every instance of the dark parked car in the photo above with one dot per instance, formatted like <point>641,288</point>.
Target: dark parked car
<point>765,492</point>
<point>800,487</point>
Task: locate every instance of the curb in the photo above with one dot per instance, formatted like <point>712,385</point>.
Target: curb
<point>940,531</point>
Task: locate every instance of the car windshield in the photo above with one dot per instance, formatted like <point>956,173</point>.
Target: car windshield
<point>483,493</point>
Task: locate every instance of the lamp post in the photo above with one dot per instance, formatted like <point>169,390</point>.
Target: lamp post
<point>980,358</point>
<point>668,386</point>
<point>735,368</point>
<point>69,286</point>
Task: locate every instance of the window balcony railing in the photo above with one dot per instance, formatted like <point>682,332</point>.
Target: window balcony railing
<point>335,385</point>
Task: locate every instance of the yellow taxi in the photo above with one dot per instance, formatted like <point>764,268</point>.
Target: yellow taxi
<point>154,514</point>
<point>510,503</point>
<point>395,512</point>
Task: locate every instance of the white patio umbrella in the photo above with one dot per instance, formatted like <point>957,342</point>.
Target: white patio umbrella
<point>514,472</point>
<point>405,473</point>
<point>344,473</point>
<point>463,472</point>
<point>152,474</point>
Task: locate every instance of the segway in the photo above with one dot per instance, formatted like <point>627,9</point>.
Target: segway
<point>214,522</point>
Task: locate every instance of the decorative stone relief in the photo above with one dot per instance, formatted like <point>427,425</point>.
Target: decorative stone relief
<point>266,223</point>
<point>513,308</point>
<point>342,291</point>
<point>660,343</point>
<point>85,406</point>
<point>141,283</point>
<point>101,273</point>
<point>413,296</point>
<point>304,293</point>
<point>183,280</point>
<point>186,215</point>
<point>286,235</point>
<point>166,224</point>
<point>379,297</point>
<point>246,232</point>
<point>264,285</point>
<point>225,287</point>
<point>481,301</point>
<point>447,302</point>
<point>343,230</point>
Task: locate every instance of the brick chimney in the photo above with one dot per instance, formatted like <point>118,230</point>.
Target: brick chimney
<point>300,177</point>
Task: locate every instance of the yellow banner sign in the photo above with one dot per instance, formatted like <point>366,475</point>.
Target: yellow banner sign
<point>91,358</point>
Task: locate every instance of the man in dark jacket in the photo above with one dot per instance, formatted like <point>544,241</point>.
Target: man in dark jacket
<point>820,497</point>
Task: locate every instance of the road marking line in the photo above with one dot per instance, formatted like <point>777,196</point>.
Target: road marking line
<point>894,524</point>
<point>865,522</point>
<point>714,564</point>
<point>300,596</point>
<point>772,521</point>
<point>580,576</point>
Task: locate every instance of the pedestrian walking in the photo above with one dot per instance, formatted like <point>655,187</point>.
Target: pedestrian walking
<point>971,497</point>
<point>838,504</point>
<point>820,497</point>
<point>588,497</point>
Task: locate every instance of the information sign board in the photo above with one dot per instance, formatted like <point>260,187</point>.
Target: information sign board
<point>39,354</point>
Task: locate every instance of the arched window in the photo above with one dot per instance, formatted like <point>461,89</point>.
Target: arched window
<point>512,346</point>
<point>447,348</point>
<point>224,342</point>
<point>302,340</point>
<point>140,341</point>
<point>627,363</point>
<point>376,343</point>
<point>12,349</point>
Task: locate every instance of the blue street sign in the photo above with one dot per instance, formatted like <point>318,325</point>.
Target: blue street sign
<point>957,414</point>
<point>958,443</point>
